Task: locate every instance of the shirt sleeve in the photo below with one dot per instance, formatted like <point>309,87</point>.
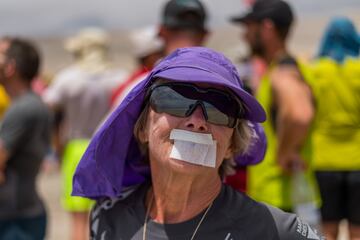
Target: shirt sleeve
<point>291,227</point>
<point>14,129</point>
<point>98,225</point>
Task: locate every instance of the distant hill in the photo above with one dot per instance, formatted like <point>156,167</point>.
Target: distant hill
<point>59,18</point>
<point>304,43</point>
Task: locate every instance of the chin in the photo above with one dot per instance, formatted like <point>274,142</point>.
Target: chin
<point>186,167</point>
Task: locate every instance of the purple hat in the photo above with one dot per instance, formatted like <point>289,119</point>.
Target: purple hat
<point>113,159</point>
<point>257,149</point>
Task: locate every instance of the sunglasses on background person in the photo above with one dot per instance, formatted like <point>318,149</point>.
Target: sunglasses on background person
<point>181,99</point>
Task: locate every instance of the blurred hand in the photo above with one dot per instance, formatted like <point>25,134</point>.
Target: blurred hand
<point>290,162</point>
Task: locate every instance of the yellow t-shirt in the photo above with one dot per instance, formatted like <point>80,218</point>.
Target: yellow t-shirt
<point>266,181</point>
<point>4,101</point>
<point>336,137</point>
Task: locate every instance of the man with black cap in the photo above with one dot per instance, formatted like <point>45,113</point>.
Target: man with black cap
<point>287,99</point>
<point>183,24</point>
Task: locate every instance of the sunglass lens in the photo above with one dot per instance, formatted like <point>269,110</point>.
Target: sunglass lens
<point>217,117</point>
<point>179,99</point>
<point>164,99</point>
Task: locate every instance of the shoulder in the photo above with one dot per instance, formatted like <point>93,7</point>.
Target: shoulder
<point>108,212</point>
<point>63,82</point>
<point>243,213</point>
<point>27,106</point>
<point>284,65</point>
<point>65,77</point>
<point>32,105</point>
<point>289,226</point>
<point>234,202</point>
<point>67,73</point>
<point>285,73</point>
<point>290,78</point>
<point>108,206</point>
<point>25,116</point>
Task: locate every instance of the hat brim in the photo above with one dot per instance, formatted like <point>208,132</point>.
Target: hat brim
<point>254,111</point>
<point>243,18</point>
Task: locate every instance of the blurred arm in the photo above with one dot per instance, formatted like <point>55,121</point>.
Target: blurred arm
<point>13,130</point>
<point>54,97</point>
<point>295,113</point>
<point>4,155</point>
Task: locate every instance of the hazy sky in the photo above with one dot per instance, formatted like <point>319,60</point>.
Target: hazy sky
<point>49,17</point>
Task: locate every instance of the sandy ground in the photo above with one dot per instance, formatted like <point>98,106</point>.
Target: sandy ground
<point>59,222</point>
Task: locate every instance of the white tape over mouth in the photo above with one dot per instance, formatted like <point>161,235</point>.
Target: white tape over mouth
<point>193,147</point>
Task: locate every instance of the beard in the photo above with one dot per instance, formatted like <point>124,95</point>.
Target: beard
<point>257,47</point>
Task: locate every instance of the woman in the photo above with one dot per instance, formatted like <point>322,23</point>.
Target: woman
<point>190,117</point>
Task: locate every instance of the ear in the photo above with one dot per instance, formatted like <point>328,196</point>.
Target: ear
<point>143,135</point>
<point>141,126</point>
<point>229,153</point>
<point>143,131</point>
<point>163,32</point>
<point>268,26</point>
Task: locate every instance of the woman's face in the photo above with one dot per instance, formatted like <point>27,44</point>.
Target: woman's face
<point>157,133</point>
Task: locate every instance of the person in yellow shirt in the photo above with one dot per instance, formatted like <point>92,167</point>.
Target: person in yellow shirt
<point>287,100</point>
<point>336,138</point>
<point>4,102</point>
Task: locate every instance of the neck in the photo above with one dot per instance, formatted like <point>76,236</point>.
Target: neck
<point>180,43</point>
<point>275,50</point>
<point>16,88</point>
<point>94,61</point>
<point>177,198</point>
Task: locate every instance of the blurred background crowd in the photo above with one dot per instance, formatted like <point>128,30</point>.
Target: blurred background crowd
<point>65,67</point>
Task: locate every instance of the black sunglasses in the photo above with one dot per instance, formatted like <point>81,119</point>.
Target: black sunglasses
<point>181,99</point>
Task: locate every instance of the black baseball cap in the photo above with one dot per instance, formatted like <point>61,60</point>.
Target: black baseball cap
<point>184,14</point>
<point>278,11</point>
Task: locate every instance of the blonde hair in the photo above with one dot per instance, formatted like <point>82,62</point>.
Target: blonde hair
<point>240,140</point>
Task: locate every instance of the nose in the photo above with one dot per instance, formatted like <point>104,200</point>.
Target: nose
<point>196,121</point>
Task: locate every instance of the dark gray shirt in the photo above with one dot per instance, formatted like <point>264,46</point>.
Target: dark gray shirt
<point>25,132</point>
<point>233,216</point>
